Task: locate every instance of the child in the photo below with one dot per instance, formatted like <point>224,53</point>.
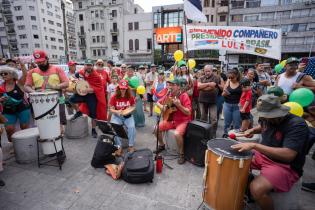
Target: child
<point>111,89</point>
<point>245,104</point>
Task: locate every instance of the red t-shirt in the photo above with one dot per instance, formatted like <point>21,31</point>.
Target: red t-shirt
<point>104,76</point>
<point>121,103</point>
<point>246,96</point>
<point>179,115</point>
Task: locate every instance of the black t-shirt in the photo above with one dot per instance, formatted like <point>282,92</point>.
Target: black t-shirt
<point>234,96</point>
<point>209,96</point>
<point>292,133</point>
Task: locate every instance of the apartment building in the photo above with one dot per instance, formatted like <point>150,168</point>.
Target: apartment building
<point>69,31</point>
<point>216,12</point>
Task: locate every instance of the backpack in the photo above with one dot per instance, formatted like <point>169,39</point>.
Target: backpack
<point>103,153</point>
<point>139,167</point>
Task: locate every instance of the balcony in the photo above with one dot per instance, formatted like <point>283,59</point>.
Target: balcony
<point>9,22</point>
<point>82,45</point>
<point>80,34</point>
<point>114,31</point>
<point>11,31</point>
<point>7,13</point>
<point>13,41</point>
<point>115,44</point>
<point>223,10</point>
<point>139,52</point>
<point>6,3</point>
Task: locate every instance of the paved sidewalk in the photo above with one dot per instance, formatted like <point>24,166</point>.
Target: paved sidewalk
<point>79,186</point>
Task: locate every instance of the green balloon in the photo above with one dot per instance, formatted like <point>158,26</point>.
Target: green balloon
<point>302,96</point>
<point>134,82</point>
<point>181,63</point>
<point>278,68</point>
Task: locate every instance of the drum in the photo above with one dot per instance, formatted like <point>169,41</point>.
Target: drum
<point>225,176</point>
<point>81,86</point>
<point>42,102</point>
<point>71,87</point>
<point>25,145</point>
<point>239,137</point>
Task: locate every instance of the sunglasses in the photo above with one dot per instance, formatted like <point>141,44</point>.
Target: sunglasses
<point>4,74</point>
<point>99,64</point>
<point>123,67</point>
<point>231,77</point>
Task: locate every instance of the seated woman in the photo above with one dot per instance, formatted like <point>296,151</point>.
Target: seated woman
<point>119,103</point>
<point>15,107</point>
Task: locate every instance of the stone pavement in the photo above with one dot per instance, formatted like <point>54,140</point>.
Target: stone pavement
<point>80,186</point>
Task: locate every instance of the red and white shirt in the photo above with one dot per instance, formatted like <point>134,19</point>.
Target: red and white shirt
<point>121,103</point>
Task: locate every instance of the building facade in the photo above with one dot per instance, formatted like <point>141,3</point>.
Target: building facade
<point>100,27</point>
<point>216,12</point>
<point>32,24</point>
<point>295,18</point>
<point>138,38</point>
<point>69,30</point>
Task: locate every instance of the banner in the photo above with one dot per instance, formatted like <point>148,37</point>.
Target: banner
<point>252,40</point>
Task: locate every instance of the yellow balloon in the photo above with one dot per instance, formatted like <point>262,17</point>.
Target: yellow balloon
<point>295,108</point>
<point>157,110</point>
<point>140,89</point>
<point>178,55</point>
<point>282,63</point>
<point>191,63</point>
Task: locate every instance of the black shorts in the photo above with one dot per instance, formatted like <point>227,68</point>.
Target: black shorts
<point>62,113</point>
<point>149,97</point>
<point>245,116</point>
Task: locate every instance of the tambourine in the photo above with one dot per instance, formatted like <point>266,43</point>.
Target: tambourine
<point>81,87</point>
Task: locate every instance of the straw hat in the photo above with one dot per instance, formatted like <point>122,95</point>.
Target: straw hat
<point>12,71</point>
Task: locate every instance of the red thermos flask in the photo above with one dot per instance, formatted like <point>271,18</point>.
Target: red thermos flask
<point>159,164</point>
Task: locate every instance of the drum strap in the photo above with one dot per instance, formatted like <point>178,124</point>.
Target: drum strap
<point>46,113</point>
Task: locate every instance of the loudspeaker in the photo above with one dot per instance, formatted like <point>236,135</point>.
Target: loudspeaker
<point>195,141</point>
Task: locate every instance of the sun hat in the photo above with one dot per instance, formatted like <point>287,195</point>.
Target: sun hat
<point>269,106</point>
<point>10,70</point>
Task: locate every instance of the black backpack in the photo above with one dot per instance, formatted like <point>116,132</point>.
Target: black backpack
<point>139,167</point>
<point>104,149</point>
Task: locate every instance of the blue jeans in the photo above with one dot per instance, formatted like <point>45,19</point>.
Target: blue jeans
<point>231,114</point>
<point>130,124</point>
<point>220,101</point>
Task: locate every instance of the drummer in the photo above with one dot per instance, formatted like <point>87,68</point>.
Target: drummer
<point>120,101</point>
<point>94,102</point>
<point>47,77</point>
<point>281,155</point>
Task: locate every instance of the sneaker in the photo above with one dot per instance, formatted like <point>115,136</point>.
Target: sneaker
<point>76,116</point>
<point>131,149</point>
<point>160,149</point>
<point>181,160</point>
<point>2,183</point>
<point>94,134</point>
<point>310,187</point>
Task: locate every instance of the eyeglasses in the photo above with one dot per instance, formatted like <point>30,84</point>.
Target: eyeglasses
<point>4,74</point>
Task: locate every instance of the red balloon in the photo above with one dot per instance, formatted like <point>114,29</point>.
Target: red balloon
<point>232,136</point>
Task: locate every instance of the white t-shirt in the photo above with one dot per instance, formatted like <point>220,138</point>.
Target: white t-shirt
<point>150,77</point>
<point>111,89</point>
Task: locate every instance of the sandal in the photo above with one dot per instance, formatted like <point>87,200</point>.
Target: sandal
<point>181,160</point>
<point>111,170</point>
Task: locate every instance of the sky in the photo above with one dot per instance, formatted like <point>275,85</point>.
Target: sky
<point>148,4</point>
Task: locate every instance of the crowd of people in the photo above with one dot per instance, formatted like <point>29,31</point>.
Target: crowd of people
<point>179,95</point>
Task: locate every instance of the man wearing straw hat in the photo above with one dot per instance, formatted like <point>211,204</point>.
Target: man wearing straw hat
<point>280,156</point>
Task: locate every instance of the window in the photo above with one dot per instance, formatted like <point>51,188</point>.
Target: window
<point>135,11</point>
<point>137,44</point>
<point>284,28</point>
<point>115,38</point>
<point>23,46</point>
<point>211,18</point>
<point>237,4</point>
<point>309,40</point>
<point>98,39</point>
<point>136,25</point>
<point>213,3</point>
<point>59,24</point>
<point>94,52</point>
<point>96,13</point>
<point>18,8</point>
<point>57,9</point>
<point>206,3</point>
<point>34,27</point>
<point>294,27</point>
<point>103,51</point>
<point>295,41</point>
<point>19,18</point>
<point>99,52</point>
<point>267,15</point>
<point>53,39</point>
<point>51,30</point>
<point>114,13</point>
<point>301,13</point>
<point>31,8</point>
<point>92,14</point>
<point>80,17</point>
<point>47,47</point>
<point>283,15</point>
<point>130,45</point>
<point>130,26</point>
<point>50,22</point>
<point>58,16</point>
<point>54,47</point>
<point>59,33</point>
<point>46,38</point>
<point>269,2</point>
<point>237,18</point>
<point>103,39</point>
<point>312,12</point>
<point>37,45</point>
<point>115,26</point>
<point>222,18</point>
<point>302,27</point>
<point>60,40</point>
<point>97,26</point>
<point>102,14</point>
<point>44,20</point>
<point>61,48</point>
<point>33,18</point>
<point>311,26</point>
<point>36,36</point>
<point>252,3</point>
<point>113,1</point>
<point>21,27</point>
<point>43,11</point>
<point>22,36</point>
<point>102,26</point>
<point>149,44</point>
<point>207,16</point>
<point>48,5</point>
<point>93,39</point>
<point>250,18</point>
<point>93,26</point>
<point>80,4</point>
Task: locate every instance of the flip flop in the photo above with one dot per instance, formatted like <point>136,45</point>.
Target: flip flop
<point>111,170</point>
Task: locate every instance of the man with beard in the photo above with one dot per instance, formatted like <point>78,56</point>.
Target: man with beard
<point>99,67</point>
<point>280,156</point>
<point>94,102</point>
<point>208,86</point>
<point>47,77</point>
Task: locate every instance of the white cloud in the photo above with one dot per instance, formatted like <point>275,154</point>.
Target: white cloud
<point>148,4</point>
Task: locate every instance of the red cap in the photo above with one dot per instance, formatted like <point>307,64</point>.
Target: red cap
<point>71,63</point>
<point>123,84</point>
<point>39,55</point>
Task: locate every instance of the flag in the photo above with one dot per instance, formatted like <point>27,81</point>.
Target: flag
<point>193,10</point>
